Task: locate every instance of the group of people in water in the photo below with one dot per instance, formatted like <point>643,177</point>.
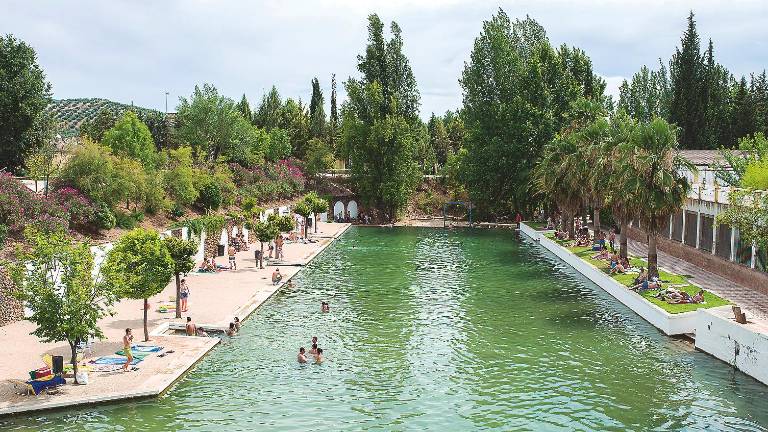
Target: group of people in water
<point>191,329</point>
<point>314,351</point>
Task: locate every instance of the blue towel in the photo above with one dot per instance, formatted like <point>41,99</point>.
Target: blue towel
<point>146,348</point>
<point>38,386</point>
<point>115,360</point>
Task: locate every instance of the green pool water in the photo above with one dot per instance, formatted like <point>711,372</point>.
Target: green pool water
<point>441,330</point>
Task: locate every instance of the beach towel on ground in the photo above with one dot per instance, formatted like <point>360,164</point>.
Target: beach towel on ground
<point>115,360</point>
<point>39,385</point>
<point>146,348</point>
<point>135,354</point>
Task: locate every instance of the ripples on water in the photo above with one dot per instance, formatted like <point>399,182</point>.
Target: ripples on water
<point>442,330</point>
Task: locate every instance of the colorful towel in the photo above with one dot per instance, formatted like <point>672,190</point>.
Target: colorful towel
<point>135,354</point>
<point>39,385</point>
<point>146,348</point>
<point>116,360</point>
<point>142,351</point>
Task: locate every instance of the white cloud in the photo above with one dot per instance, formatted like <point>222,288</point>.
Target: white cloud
<point>136,50</point>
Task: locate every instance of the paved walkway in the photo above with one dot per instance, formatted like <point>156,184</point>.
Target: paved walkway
<point>215,299</point>
<point>755,303</point>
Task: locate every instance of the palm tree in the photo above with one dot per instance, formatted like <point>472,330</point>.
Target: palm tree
<point>557,176</point>
<point>614,159</point>
<point>653,176</point>
<point>597,164</point>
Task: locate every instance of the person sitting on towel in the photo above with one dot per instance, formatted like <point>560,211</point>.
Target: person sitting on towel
<point>276,276</point>
<point>616,266</point>
<point>603,254</point>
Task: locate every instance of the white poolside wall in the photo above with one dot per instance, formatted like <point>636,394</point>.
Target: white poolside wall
<point>744,347</point>
<point>741,346</point>
<point>669,324</point>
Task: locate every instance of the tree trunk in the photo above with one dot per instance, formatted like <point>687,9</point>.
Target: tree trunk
<point>623,240</point>
<point>596,222</point>
<point>653,258</point>
<point>178,296</point>
<point>73,360</point>
<point>571,227</point>
<point>316,219</point>
<point>146,310</point>
<point>261,256</point>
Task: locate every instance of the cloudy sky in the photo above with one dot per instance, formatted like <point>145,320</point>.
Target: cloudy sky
<point>135,51</point>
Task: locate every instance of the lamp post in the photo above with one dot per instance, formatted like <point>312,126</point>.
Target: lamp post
<point>166,102</point>
<point>49,161</point>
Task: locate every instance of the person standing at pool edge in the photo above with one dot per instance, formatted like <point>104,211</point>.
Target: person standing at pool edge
<point>276,276</point>
<point>127,340</point>
<point>232,259</point>
<point>184,295</point>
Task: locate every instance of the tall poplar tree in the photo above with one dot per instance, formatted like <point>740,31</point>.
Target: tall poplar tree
<point>24,95</point>
<point>518,92</point>
<point>717,117</point>
<point>269,112</point>
<point>382,131</point>
<point>245,108</point>
<point>689,98</point>
<point>743,114</point>
<point>333,125</point>
<point>316,111</point>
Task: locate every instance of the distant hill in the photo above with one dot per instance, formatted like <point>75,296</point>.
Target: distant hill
<point>71,113</point>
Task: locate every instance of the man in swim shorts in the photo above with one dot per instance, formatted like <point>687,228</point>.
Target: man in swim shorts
<point>232,260</point>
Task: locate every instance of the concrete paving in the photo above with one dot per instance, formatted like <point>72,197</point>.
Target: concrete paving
<point>215,300</point>
<point>754,303</point>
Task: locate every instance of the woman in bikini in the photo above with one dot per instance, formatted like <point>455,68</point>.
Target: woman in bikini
<point>127,341</point>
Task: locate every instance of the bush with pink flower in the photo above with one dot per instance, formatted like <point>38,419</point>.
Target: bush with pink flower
<point>78,208</point>
<point>270,181</point>
<point>19,207</point>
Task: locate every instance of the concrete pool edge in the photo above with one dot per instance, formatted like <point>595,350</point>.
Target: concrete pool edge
<point>667,323</point>
<point>253,304</point>
<point>159,385</point>
<point>743,346</point>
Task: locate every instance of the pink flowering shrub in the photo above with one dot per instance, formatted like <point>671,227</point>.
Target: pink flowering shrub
<point>78,208</point>
<point>19,207</point>
<point>271,181</point>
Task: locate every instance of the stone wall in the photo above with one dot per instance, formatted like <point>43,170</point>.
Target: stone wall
<point>11,310</point>
<point>732,271</point>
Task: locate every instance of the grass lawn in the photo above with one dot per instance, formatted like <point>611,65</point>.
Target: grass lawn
<point>681,282</point>
<point>538,226</point>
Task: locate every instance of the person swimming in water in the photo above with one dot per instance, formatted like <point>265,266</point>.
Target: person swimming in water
<point>302,358</point>
<point>319,356</point>
<point>325,307</point>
